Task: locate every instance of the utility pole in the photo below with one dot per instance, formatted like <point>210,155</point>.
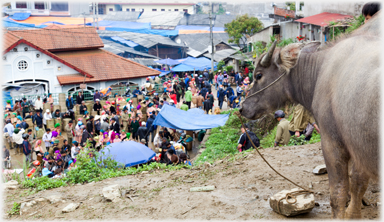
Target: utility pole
<point>210,26</point>
<point>97,15</point>
<point>93,14</point>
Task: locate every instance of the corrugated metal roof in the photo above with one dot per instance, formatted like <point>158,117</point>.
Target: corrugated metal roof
<point>194,53</point>
<point>221,55</point>
<point>195,19</point>
<point>145,62</point>
<point>161,18</point>
<point>118,48</point>
<point>145,40</point>
<point>202,41</point>
<point>322,19</point>
<point>221,20</point>
<point>121,16</point>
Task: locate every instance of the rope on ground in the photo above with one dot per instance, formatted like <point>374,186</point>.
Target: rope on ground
<point>291,195</point>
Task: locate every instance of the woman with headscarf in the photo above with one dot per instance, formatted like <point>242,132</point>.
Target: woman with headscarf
<point>8,106</point>
<point>56,131</point>
<point>38,148</point>
<point>78,133</point>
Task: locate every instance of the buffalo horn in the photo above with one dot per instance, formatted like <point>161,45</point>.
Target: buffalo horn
<point>266,61</point>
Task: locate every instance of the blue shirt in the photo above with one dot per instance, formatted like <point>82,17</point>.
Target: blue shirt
<point>220,78</point>
<point>186,81</point>
<point>136,92</point>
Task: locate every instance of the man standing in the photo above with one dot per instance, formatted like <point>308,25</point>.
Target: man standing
<point>300,120</point>
<point>97,106</point>
<point>96,96</point>
<point>188,97</point>
<point>239,90</point>
<point>27,150</point>
<point>135,127</point>
<point>220,96</point>
<point>69,130</point>
<point>115,125</point>
<point>207,105</point>
<point>47,137</point>
<point>38,120</point>
<point>220,79</point>
<point>25,107</point>
<point>90,125</point>
<point>47,116</point>
<point>69,103</point>
<point>282,132</point>
<point>79,98</point>
<point>142,131</point>
<point>125,119</point>
<point>105,124</point>
<point>84,135</point>
<point>151,128</point>
<point>179,92</point>
<point>186,82</point>
<point>199,101</point>
<point>39,105</point>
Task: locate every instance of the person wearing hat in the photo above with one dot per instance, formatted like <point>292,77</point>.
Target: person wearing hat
<point>221,96</point>
<point>47,116</point>
<point>171,103</point>
<point>56,114</point>
<point>115,125</point>
<point>97,125</point>
<point>142,131</point>
<point>96,96</point>
<point>144,142</point>
<point>188,97</point>
<point>55,147</point>
<point>18,139</point>
<point>150,126</point>
<point>8,107</point>
<point>125,119</point>
<point>282,133</point>
<point>39,105</point>
<point>69,130</point>
<point>27,148</point>
<point>90,125</point>
<point>25,106</point>
<point>84,134</point>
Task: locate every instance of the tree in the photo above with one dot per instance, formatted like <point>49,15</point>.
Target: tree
<point>241,27</point>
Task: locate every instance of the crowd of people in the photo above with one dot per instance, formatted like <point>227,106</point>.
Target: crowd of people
<point>118,120</point>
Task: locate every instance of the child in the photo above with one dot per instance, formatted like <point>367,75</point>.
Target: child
<point>38,149</point>
<point>117,138</point>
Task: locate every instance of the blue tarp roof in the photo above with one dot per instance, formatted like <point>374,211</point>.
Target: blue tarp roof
<point>124,24</point>
<point>197,64</point>
<point>179,119</point>
<point>196,111</point>
<point>166,33</point>
<point>163,73</point>
<point>20,16</point>
<point>10,23</point>
<point>123,41</point>
<point>128,153</point>
<point>52,22</point>
<point>193,27</point>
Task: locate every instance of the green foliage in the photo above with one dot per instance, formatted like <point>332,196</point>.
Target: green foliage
<point>15,209</point>
<point>292,5</point>
<point>220,66</point>
<point>258,48</point>
<point>222,140</point>
<point>228,68</point>
<point>242,26</point>
<point>285,42</point>
<point>199,10</point>
<point>43,183</point>
<point>297,141</point>
<point>334,32</point>
<point>221,10</point>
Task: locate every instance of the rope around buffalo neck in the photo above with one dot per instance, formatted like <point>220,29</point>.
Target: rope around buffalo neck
<point>288,195</point>
<point>266,86</point>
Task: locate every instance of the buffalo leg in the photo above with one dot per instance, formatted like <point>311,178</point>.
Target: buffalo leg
<point>358,185</point>
<point>336,159</point>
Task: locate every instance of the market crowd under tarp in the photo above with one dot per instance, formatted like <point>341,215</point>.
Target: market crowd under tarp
<point>175,118</point>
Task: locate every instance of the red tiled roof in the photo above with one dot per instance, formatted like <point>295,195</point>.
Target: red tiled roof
<point>322,19</point>
<point>103,66</point>
<point>62,39</point>
<point>9,39</point>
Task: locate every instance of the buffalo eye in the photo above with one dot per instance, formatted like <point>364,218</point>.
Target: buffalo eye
<point>258,76</point>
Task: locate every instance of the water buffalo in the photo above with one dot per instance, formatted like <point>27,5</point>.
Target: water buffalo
<point>339,85</point>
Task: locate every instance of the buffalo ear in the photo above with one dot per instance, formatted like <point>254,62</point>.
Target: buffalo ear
<point>288,56</point>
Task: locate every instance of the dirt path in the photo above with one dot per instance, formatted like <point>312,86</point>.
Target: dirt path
<point>242,191</point>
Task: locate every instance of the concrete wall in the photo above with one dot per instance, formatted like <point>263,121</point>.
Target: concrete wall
<point>262,36</point>
<point>348,8</point>
<point>149,8</point>
<point>289,30</point>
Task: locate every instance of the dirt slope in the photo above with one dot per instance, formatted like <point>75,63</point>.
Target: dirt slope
<point>242,190</point>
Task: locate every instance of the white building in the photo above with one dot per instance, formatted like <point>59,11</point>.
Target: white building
<point>61,59</point>
<point>105,8</point>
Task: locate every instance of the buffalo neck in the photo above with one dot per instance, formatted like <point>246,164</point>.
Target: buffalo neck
<point>304,78</point>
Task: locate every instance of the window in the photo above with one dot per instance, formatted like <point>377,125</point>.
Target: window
<point>163,10</point>
<point>169,10</point>
<point>185,10</point>
<point>39,5</point>
<point>127,9</point>
<point>22,65</point>
<point>59,6</point>
<point>21,4</point>
<point>176,10</point>
<point>154,10</point>
<point>111,9</point>
<point>132,9</point>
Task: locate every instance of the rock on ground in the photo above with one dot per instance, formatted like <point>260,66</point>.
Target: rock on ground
<point>71,207</point>
<point>54,199</point>
<point>304,204</point>
<point>321,169</point>
<point>11,183</point>
<point>112,193</point>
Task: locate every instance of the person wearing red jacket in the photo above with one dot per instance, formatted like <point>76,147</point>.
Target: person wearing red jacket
<point>173,97</point>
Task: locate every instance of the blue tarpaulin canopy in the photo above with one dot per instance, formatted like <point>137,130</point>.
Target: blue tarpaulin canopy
<point>20,16</point>
<point>166,33</point>
<point>179,119</point>
<point>190,64</point>
<point>196,111</point>
<point>163,73</point>
<point>7,22</point>
<point>128,153</point>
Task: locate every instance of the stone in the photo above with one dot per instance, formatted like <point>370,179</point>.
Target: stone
<point>40,199</point>
<point>144,172</point>
<point>71,207</point>
<point>304,204</point>
<point>207,165</point>
<point>321,169</point>
<point>112,193</point>
<point>11,187</point>
<point>317,204</point>
<point>54,199</point>
<point>11,183</point>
